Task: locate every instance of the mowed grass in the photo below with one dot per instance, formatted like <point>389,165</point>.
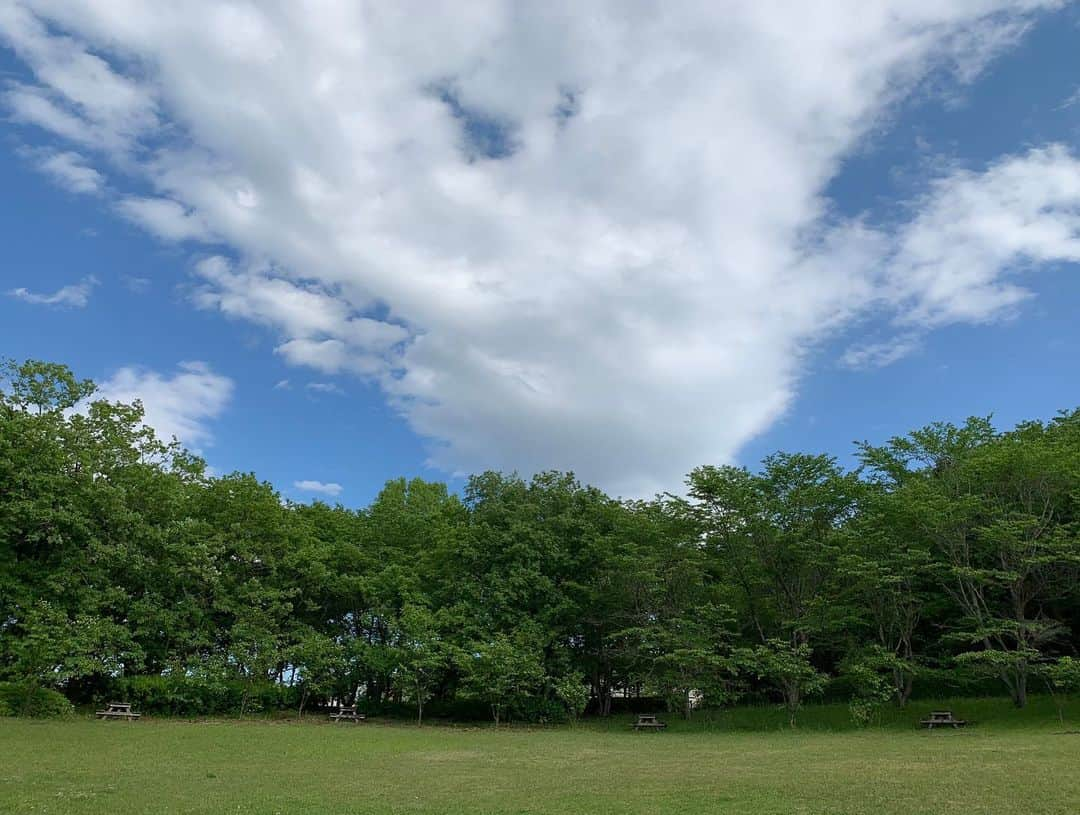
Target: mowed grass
<point>1010,762</point>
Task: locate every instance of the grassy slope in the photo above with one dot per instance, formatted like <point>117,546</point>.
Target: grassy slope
<point>1010,763</point>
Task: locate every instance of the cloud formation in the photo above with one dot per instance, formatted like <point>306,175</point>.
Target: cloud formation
<point>879,354</point>
<point>180,406</point>
<point>164,218</point>
<point>76,295</point>
<point>325,387</point>
<point>70,171</point>
<point>959,259</point>
<point>331,489</point>
<point>555,239</point>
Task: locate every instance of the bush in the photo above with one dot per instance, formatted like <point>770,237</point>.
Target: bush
<point>862,710</point>
<point>537,710</point>
<point>182,695</point>
<point>531,709</point>
<point>45,703</point>
<point>454,710</point>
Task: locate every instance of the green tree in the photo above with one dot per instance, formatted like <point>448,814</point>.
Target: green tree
<point>48,649</point>
<point>1000,512</point>
<point>884,588</point>
<point>502,672</point>
<point>785,666</point>
<point>319,661</point>
<point>1062,677</point>
<point>424,657</point>
<point>572,691</point>
<point>774,535</point>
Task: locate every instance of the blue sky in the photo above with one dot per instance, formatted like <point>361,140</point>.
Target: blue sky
<point>571,302</point>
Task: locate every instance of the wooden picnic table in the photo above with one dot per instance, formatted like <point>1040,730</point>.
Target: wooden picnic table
<point>646,721</point>
<point>942,718</point>
<point>117,710</point>
<point>347,713</point>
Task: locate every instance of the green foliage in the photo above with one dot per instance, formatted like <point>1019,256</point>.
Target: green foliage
<point>871,676</point>
<point>785,666</point>
<point>319,660</point>
<point>534,709</point>
<point>42,387</point>
<point>26,699</point>
<point>1062,678</point>
<point>999,513</point>
<point>503,672</point>
<point>572,691</point>
<point>1064,675</point>
<point>948,561</point>
<point>423,657</point>
<point>201,695</point>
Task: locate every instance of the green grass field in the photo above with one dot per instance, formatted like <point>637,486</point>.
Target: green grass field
<point>741,761</point>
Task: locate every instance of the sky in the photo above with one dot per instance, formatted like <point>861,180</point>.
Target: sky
<point>334,243</point>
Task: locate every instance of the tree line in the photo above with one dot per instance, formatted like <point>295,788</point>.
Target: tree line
<point>948,559</point>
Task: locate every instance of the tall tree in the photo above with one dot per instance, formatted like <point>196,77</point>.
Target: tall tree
<point>774,535</point>
<point>1000,511</point>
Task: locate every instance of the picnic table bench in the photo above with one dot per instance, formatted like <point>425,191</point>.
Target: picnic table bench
<point>648,722</point>
<point>117,710</point>
<point>347,713</point>
<point>941,718</point>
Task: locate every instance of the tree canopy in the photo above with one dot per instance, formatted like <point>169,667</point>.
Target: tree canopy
<point>948,558</point>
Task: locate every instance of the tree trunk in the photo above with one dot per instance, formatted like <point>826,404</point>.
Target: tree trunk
<point>601,683</point>
<point>303,700</point>
<point>902,686</point>
<point>792,698</point>
<point>1020,691</point>
<point>1015,679</point>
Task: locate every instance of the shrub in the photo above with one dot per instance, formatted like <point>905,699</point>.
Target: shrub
<point>185,695</point>
<point>572,691</point>
<point>45,703</point>
<point>537,710</point>
<point>457,710</point>
<point>862,710</point>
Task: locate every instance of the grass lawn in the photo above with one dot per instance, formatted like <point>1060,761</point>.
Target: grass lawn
<point>1010,762</point>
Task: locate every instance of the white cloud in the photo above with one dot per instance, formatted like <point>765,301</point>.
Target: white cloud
<point>957,260</point>
<point>31,106</point>
<point>283,385</point>
<point>166,219</point>
<point>331,489</point>
<point>879,354</point>
<point>182,405</point>
<point>76,295</point>
<point>79,96</point>
<point>631,288</point>
<point>1074,99</point>
<point>70,171</point>
<point>324,330</point>
<point>324,387</point>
